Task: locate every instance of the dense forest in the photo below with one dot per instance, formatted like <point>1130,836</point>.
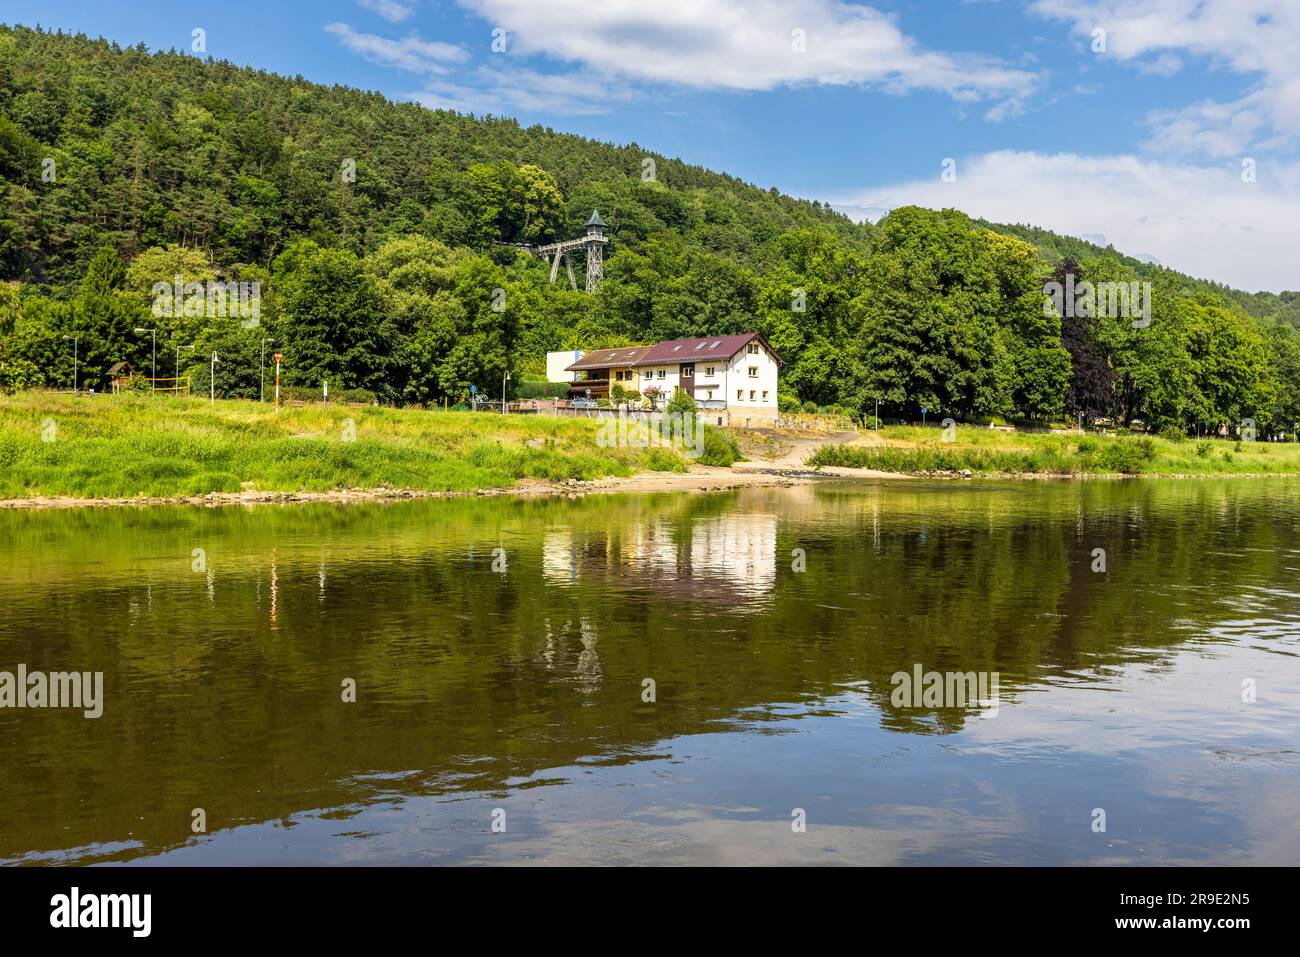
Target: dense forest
<point>383,239</point>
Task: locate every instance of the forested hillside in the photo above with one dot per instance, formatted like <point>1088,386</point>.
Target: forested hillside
<point>379,234</point>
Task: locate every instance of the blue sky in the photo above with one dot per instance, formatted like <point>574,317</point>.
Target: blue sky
<point>1141,135</point>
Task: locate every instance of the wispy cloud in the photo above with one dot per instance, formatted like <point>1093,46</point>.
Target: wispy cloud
<point>390,10</point>
<point>410,53</point>
<point>1256,38</point>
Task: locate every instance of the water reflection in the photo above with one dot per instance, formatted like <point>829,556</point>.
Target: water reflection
<point>500,651</point>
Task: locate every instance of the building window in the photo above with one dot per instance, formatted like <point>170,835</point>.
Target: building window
<point>710,395</point>
<point>751,395</point>
<point>753,348</point>
<point>688,369</point>
<point>753,372</point>
<point>740,395</point>
<point>663,373</point>
<point>710,370</point>
<point>764,395</point>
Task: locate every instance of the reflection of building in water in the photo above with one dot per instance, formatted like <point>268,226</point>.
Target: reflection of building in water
<point>559,560</point>
<point>710,557</point>
<point>651,547</point>
<point>588,661</point>
<point>555,657</point>
<point>739,548</point>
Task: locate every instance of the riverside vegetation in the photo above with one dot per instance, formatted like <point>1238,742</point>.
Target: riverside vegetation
<point>990,451</point>
<point>143,446</point>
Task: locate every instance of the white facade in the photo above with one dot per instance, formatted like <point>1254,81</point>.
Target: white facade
<point>556,363</point>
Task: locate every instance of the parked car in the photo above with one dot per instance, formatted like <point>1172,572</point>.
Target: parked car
<point>582,403</point>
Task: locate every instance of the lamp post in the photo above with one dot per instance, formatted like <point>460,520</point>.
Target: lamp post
<point>154,334</point>
<point>74,361</point>
<point>212,378</point>
<point>504,380</point>
<point>877,413</point>
<point>178,365</point>
<point>261,372</point>
<point>277,358</point>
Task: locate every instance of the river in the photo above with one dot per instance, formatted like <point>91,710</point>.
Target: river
<point>655,679</point>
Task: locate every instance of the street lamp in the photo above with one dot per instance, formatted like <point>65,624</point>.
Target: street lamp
<point>212,378</point>
<point>74,361</point>
<point>154,334</point>
<point>178,366</point>
<point>503,392</point>
<point>261,372</point>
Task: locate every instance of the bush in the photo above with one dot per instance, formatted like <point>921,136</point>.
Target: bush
<point>1173,433</point>
<point>663,460</point>
<point>680,403</point>
<point>787,404</point>
<point>1127,457</point>
<point>810,408</point>
<point>18,374</point>
<point>1203,448</point>
<point>138,385</point>
<point>720,448</point>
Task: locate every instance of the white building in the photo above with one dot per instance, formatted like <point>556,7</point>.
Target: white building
<point>557,364</point>
<point>733,379</point>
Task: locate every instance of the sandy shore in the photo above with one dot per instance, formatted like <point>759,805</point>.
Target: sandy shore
<point>700,478</point>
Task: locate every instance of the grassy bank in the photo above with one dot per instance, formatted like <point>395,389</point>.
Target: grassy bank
<point>986,451</point>
<point>146,446</point>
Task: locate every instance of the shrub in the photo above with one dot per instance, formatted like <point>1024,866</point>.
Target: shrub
<point>720,448</point>
<point>137,385</point>
<point>18,374</point>
<point>1203,448</point>
<point>663,460</point>
<point>810,408</point>
<point>786,404</point>
<point>1127,457</point>
<point>680,403</point>
<point>1173,433</point>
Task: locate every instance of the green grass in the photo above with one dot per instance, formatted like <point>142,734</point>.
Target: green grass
<point>984,451</point>
<point>131,446</point>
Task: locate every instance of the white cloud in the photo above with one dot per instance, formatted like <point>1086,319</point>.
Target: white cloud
<point>1256,38</point>
<point>411,53</point>
<point>501,89</point>
<point>390,10</point>
<point>1201,220</point>
<point>748,46</point>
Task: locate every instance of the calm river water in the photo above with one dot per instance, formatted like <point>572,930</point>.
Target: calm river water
<point>500,652</point>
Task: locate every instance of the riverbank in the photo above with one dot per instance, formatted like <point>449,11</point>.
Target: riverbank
<point>992,453</point>
<point>67,452</point>
<point>148,448</point>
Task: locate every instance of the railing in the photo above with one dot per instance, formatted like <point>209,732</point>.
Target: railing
<point>816,423</point>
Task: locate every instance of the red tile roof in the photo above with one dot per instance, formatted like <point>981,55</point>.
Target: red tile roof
<point>609,358</point>
<point>672,350</point>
